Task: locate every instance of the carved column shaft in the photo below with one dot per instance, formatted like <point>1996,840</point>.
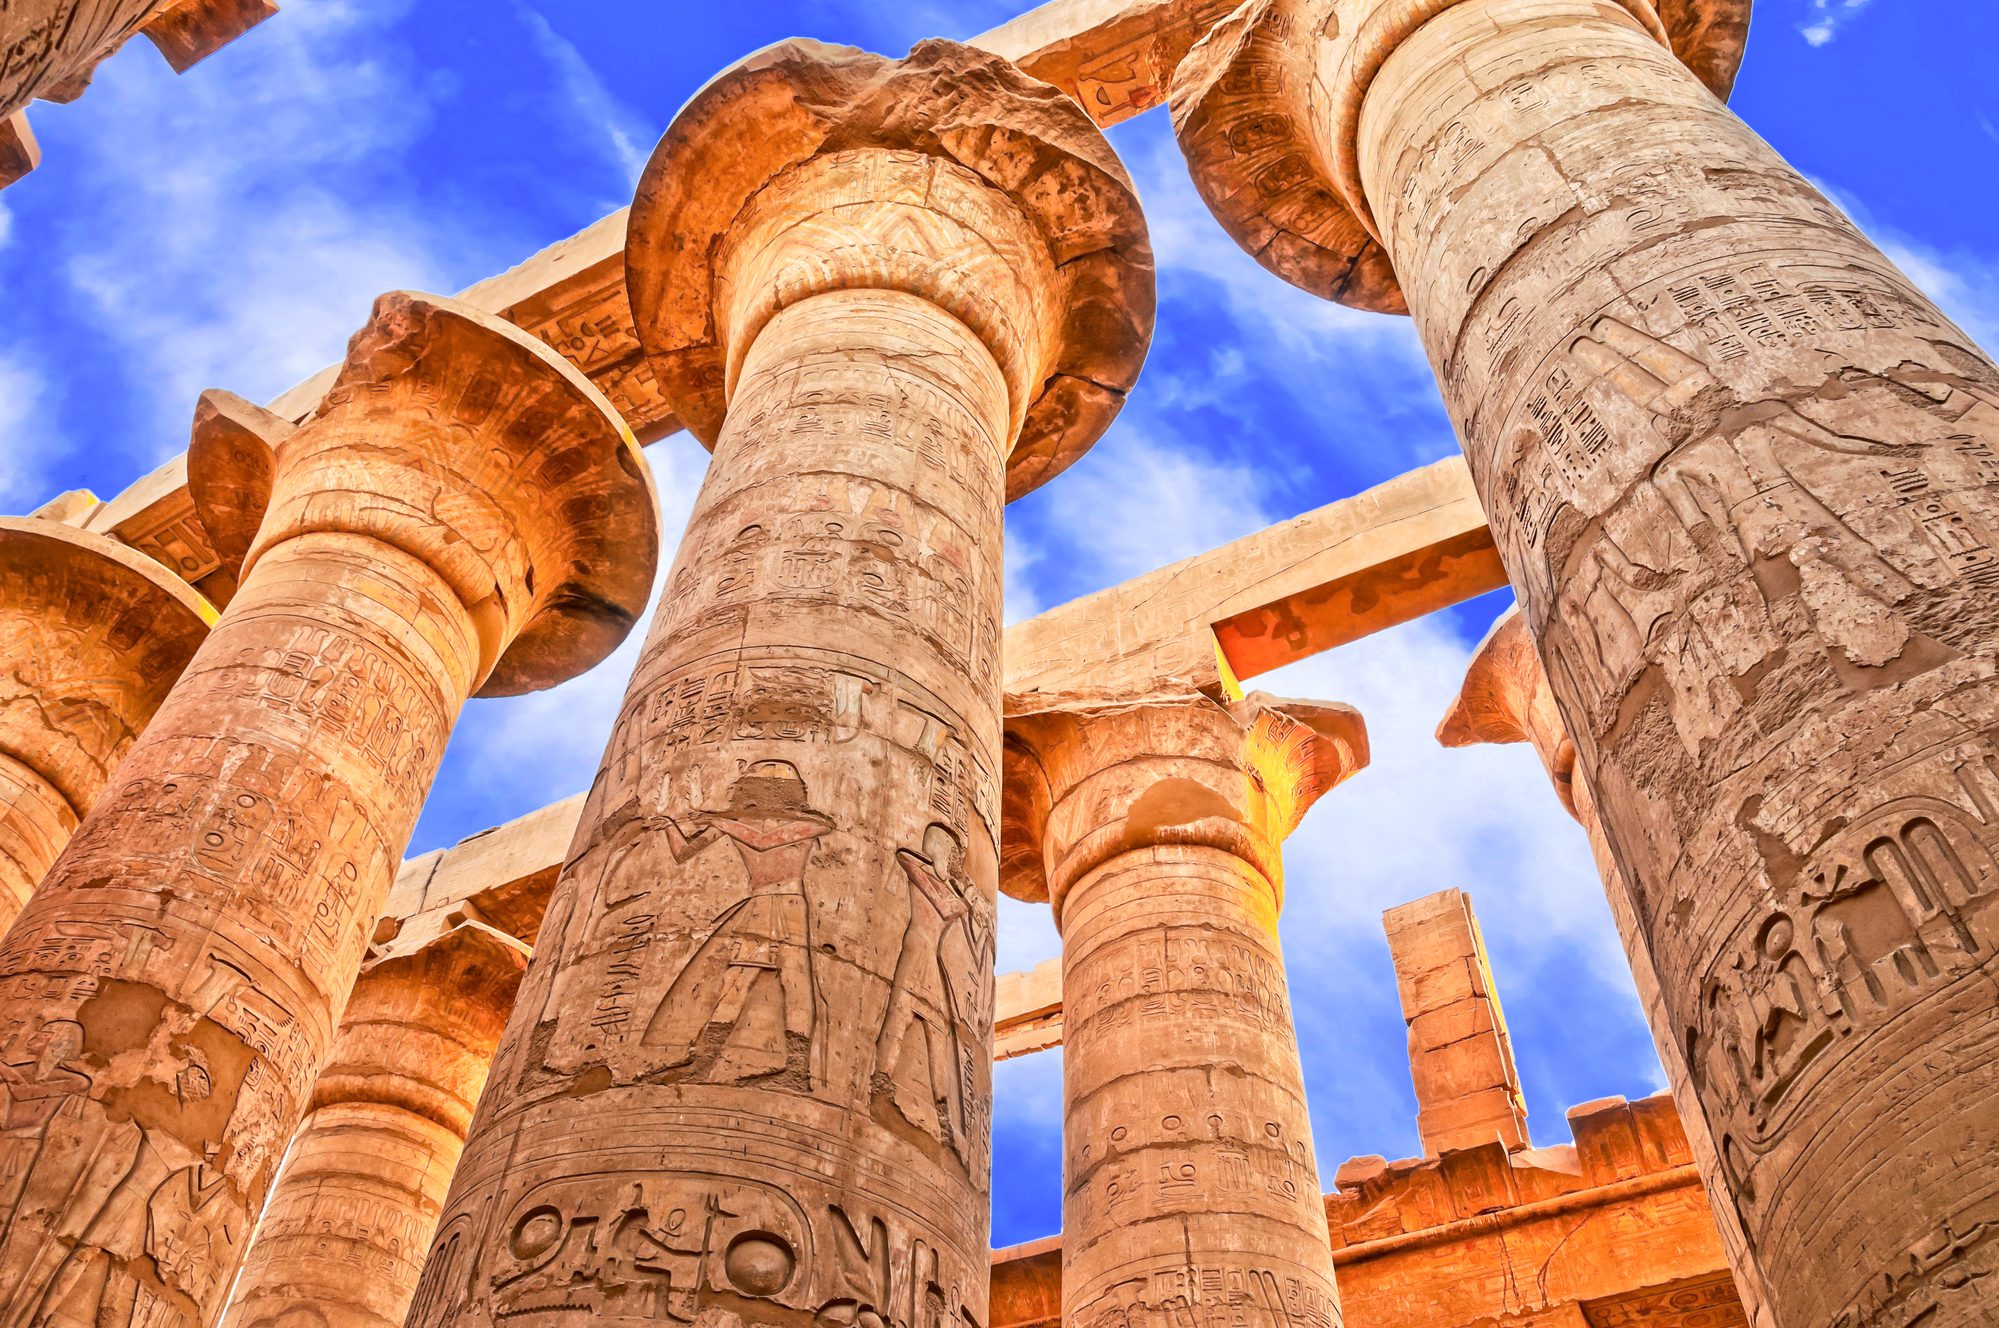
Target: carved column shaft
<point>750,1072</point>
<point>351,1215</point>
<point>1188,1172</point>
<point>36,823</point>
<point>1506,698</point>
<point>1741,475</point>
<point>184,963</point>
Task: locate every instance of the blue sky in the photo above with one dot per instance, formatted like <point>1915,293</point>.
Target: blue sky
<point>229,228</point>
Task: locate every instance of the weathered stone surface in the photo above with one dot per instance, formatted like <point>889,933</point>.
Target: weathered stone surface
<point>93,635</point>
<point>189,31</point>
<point>351,1215</point>
<point>1741,474</point>
<point>462,514</point>
<point>1460,1055</point>
<point>1187,1173</point>
<point>757,1034</point>
<point>1506,698</point>
<point>1267,124</point>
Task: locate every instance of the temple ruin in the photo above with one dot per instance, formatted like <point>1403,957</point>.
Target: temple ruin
<point>711,1042</point>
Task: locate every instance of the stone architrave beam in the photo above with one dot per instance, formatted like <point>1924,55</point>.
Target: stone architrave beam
<point>1411,546</point>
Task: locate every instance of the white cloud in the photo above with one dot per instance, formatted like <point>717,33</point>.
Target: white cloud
<point>1827,17</point>
<point>231,228</point>
<point>1139,502</point>
<point>25,447</point>
<point>610,125</point>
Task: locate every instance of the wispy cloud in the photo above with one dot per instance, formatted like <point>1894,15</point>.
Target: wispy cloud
<point>235,227</point>
<point>26,448</point>
<point>1827,17</point>
<point>609,125</point>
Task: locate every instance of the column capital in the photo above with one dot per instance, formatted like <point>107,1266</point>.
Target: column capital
<point>948,175</point>
<point>461,440</point>
<point>420,1029</point>
<point>1506,698</point>
<point>1093,780</point>
<point>94,634</point>
<point>1267,107</point>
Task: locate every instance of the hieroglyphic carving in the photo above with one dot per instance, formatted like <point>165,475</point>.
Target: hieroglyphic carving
<point>210,915</point>
<point>1740,472</point>
<point>93,636</point>
<point>749,1074</point>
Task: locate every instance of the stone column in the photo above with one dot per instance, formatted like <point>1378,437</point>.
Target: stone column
<point>463,514</point>
<point>1506,698</point>
<point>350,1218</point>
<point>749,1072</point>
<point>1189,1188</point>
<point>1740,473</point>
<point>93,635</point>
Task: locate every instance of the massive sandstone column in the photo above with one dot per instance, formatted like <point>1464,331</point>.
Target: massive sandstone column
<point>1506,698</point>
<point>1189,1190</point>
<point>748,1076</point>
<point>92,635</point>
<point>463,514</point>
<point>1740,473</point>
<point>341,1242</point>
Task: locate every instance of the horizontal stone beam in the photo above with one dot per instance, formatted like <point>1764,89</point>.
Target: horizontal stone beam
<point>1414,545</point>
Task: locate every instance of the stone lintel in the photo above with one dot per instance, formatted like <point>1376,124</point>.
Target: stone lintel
<point>1460,1056</point>
<point>1114,57</point>
<point>1540,1236</point>
<point>1411,546</point>
<point>1027,1010</point>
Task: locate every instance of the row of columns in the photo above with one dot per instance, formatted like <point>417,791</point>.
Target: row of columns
<point>1736,466</point>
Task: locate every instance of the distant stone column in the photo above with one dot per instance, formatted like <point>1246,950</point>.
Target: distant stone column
<point>1741,474</point>
<point>51,47</point>
<point>1506,698</point>
<point>342,1241</point>
<point>1154,829</point>
<point>749,1074</point>
<point>463,514</point>
<point>92,635</point>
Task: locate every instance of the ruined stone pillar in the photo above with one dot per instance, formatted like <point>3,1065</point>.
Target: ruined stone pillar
<point>1506,698</point>
<point>1741,476</point>
<point>351,1214</point>
<point>463,514</point>
<point>1460,1055</point>
<point>92,635</point>
<point>1189,1187</point>
<point>749,1071</point>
